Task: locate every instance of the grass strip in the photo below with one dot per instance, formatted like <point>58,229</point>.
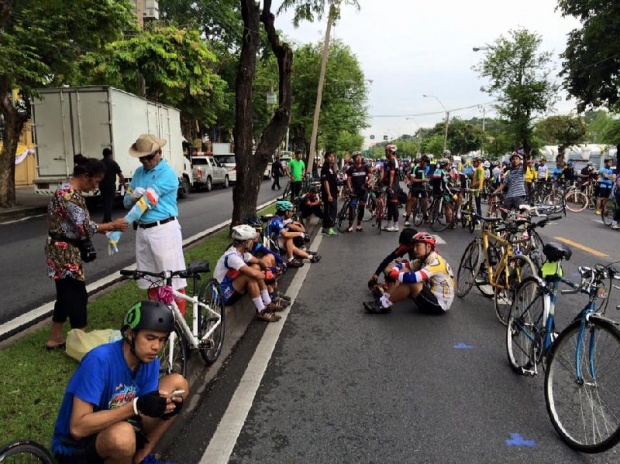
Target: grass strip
<point>34,380</point>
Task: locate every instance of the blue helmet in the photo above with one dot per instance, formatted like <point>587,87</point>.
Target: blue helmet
<point>284,205</point>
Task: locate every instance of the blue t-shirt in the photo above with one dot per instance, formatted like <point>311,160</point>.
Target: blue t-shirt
<point>606,183</point>
<point>104,380</point>
<point>165,182</point>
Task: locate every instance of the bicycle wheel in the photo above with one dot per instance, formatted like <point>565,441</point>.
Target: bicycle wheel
<point>608,212</point>
<point>518,268</point>
<point>379,212</point>
<point>342,220</point>
<point>25,451</point>
<point>418,216</point>
<point>468,268</point>
<point>211,295</point>
<point>180,354</point>
<point>576,201</point>
<point>525,331</point>
<point>554,199</point>
<point>585,408</point>
<point>439,222</point>
<point>482,277</point>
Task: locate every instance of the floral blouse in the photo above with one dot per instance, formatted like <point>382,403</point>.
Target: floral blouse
<point>67,216</point>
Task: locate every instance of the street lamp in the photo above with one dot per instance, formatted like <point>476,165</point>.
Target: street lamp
<point>481,48</point>
<point>445,137</point>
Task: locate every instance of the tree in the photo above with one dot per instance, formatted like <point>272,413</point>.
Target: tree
<point>250,166</point>
<point>41,42</point>
<point>562,131</point>
<point>187,81</point>
<point>519,80</point>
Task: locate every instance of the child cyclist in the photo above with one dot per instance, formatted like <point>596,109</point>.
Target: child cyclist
<point>428,280</point>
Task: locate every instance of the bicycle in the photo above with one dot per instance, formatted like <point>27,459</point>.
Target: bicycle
<point>345,213</point>
<point>437,214</point>
<point>576,201</point>
<point>495,267</point>
<point>380,207</point>
<point>208,312</point>
<point>583,364</point>
<point>468,210</point>
<point>22,451</point>
<point>608,210</point>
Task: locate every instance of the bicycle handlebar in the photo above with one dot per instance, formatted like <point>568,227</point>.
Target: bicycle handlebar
<point>193,270</point>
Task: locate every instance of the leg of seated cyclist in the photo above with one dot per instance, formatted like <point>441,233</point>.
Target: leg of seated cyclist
<point>419,292</point>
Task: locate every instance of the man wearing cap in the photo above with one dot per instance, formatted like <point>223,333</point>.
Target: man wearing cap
<point>159,242</point>
<point>513,183</point>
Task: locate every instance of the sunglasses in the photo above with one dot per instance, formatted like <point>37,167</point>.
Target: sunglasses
<point>150,157</point>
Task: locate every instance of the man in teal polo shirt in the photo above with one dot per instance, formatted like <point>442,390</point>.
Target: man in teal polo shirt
<point>297,170</point>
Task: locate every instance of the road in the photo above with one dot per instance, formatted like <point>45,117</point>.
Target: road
<point>22,261</point>
<point>332,384</point>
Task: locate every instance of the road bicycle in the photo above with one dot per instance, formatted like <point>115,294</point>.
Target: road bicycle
<point>492,263</point>
<point>576,201</point>
<point>345,214</point>
<point>582,362</point>
<point>207,332</point>
<point>608,211</point>
<point>583,370</point>
<point>437,213</point>
<point>380,207</point>
<point>468,210</point>
<point>25,451</point>
<point>417,213</point>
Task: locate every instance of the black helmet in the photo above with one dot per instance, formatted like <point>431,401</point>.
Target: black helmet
<point>150,315</point>
<point>406,235</point>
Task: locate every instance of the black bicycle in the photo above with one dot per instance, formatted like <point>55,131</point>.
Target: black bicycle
<point>25,451</point>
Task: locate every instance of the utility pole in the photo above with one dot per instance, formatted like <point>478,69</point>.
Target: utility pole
<point>333,12</point>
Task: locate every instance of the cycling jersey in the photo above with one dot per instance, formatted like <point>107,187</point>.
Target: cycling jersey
<point>229,264</point>
<point>434,272</point>
<point>604,182</point>
<point>543,172</point>
<point>439,182</point>
<point>419,173</point>
<point>276,225</point>
<point>358,174</point>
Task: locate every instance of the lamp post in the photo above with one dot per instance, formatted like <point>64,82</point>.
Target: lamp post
<point>481,48</point>
<point>445,137</point>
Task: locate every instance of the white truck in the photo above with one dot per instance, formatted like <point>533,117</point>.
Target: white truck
<point>207,172</point>
<point>72,120</point>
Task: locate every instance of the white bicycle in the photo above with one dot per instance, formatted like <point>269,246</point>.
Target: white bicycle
<point>207,332</point>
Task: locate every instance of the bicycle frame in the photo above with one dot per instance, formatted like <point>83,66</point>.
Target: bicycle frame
<point>503,262</point>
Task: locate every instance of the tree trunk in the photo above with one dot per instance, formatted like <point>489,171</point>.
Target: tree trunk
<point>13,125</point>
<point>250,167</point>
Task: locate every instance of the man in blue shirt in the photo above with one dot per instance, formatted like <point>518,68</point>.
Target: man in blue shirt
<point>606,178</point>
<point>159,242</point>
<point>115,409</point>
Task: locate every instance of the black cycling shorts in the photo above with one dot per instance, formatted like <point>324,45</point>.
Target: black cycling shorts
<point>418,193</point>
<point>427,301</point>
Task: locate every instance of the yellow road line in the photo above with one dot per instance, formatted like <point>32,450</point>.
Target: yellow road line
<point>582,247</point>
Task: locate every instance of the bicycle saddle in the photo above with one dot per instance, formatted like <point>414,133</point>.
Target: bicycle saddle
<point>555,251</point>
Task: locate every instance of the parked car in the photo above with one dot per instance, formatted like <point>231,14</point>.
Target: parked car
<point>207,172</point>
<point>228,161</point>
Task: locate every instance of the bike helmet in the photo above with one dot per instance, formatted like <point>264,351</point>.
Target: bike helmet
<point>406,235</point>
<point>149,315</point>
<point>243,233</point>
<point>391,148</point>
<point>425,158</point>
<point>486,164</point>
<point>425,238</point>
<point>447,153</point>
<point>443,162</point>
<point>284,205</point>
<point>356,153</point>
<point>516,154</point>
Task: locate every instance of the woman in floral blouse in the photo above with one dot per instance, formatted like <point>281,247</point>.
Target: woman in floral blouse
<point>68,218</point>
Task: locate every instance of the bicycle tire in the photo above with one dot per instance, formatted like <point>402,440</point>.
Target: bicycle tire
<point>25,451</point>
<point>525,332</point>
<point>519,267</point>
<point>180,354</point>
<point>576,201</point>
<point>379,212</point>
<point>607,214</point>
<point>439,222</point>
<point>482,278</point>
<point>418,216</point>
<point>554,199</point>
<point>468,268</point>
<point>582,426</point>
<point>343,215</point>
<point>211,295</point>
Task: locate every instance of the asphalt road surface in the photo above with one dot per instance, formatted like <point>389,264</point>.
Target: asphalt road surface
<point>332,384</point>
<point>22,261</point>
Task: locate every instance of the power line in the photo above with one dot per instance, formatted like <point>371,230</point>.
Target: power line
<point>433,113</point>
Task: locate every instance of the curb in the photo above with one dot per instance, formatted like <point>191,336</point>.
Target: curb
<point>21,212</point>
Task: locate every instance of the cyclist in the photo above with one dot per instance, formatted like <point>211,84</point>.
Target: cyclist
<point>391,181</point>
<point>418,189</point>
<point>606,178</point>
<point>358,177</point>
<point>477,183</point>
<point>284,231</point>
<point>513,183</point>
<point>115,407</point>
<point>310,204</point>
<point>405,247</point>
<point>616,193</point>
<point>428,279</point>
<point>238,273</point>
<point>439,183</point>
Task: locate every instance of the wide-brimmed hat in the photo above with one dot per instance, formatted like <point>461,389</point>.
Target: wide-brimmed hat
<point>145,145</point>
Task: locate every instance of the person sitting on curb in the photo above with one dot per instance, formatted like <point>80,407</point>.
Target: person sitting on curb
<point>428,280</point>
<point>405,247</point>
<point>275,268</point>
<point>285,231</point>
<point>238,273</point>
<point>116,408</point>
<point>311,204</point>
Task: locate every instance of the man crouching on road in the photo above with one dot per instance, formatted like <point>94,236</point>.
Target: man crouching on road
<point>116,408</point>
<point>428,280</point>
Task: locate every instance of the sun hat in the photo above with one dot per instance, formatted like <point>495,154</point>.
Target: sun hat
<point>146,145</point>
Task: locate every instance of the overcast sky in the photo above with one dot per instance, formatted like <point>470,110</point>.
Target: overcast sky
<point>411,47</point>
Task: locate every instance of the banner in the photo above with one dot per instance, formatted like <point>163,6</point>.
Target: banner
<point>22,156</point>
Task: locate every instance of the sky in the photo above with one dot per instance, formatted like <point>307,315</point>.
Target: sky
<point>409,48</point>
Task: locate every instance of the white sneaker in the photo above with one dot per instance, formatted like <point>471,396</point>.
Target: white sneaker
<point>615,226</point>
<point>392,229</point>
<point>387,226</point>
<point>407,223</point>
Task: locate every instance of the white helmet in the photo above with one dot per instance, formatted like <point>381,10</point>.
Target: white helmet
<point>447,153</point>
<point>243,233</point>
<point>486,164</point>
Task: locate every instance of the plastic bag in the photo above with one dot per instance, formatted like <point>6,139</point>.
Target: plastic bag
<point>79,342</point>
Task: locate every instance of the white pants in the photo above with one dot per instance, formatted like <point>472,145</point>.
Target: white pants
<point>158,249</point>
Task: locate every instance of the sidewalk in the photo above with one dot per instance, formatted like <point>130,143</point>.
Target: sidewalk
<point>28,204</point>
